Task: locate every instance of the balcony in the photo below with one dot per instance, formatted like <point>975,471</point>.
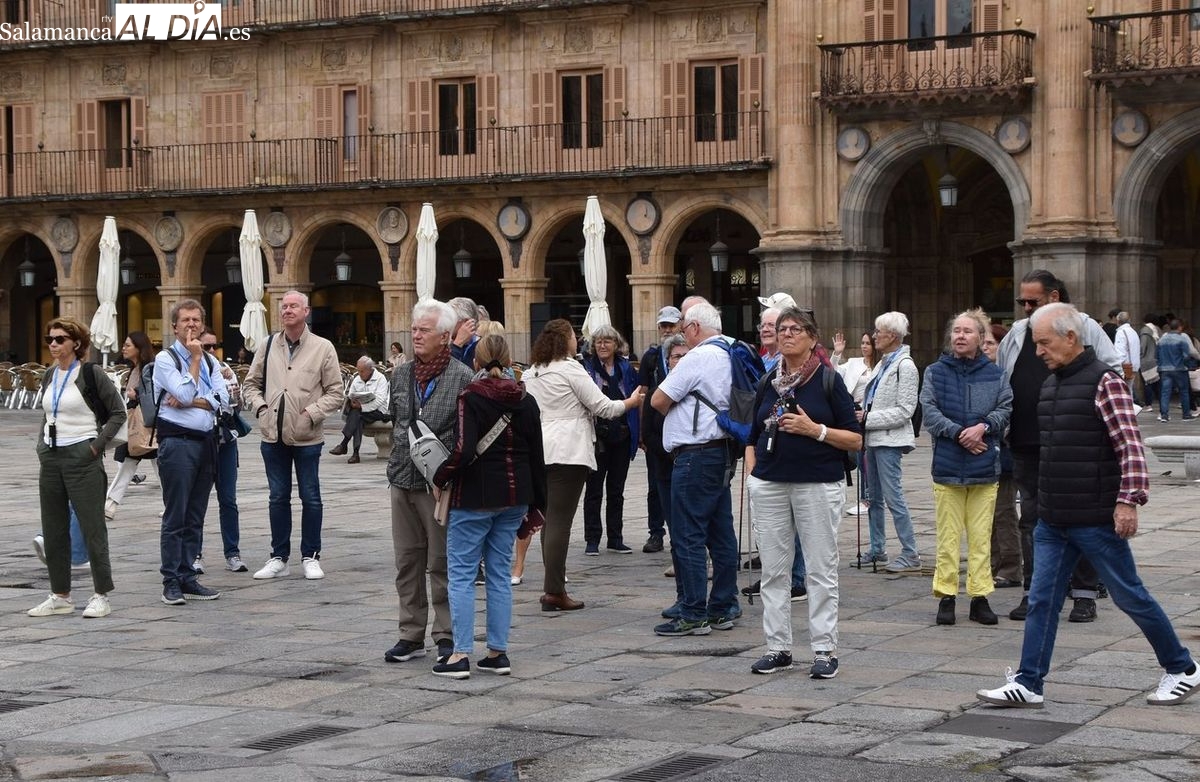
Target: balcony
<point>257,15</point>
<point>910,77</point>
<point>1156,50</point>
<point>624,148</point>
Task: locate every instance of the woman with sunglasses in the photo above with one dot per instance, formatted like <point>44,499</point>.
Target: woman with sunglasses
<point>139,352</point>
<point>78,424</point>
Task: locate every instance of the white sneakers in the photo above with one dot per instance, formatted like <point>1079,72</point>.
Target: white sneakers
<point>275,568</point>
<point>312,569</point>
<point>1175,688</point>
<point>97,607</point>
<point>1013,695</point>
<point>53,605</point>
<point>110,509</point>
<point>39,546</point>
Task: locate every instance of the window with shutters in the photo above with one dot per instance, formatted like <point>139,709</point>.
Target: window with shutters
<point>342,112</point>
<point>582,110</point>
<point>223,117</point>
<point>14,11</point>
<point>116,133</point>
<point>715,101</point>
<point>456,116</point>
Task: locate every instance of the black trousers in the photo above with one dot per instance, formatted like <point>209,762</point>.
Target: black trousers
<point>1084,579</point>
<point>612,468</point>
<point>355,420</point>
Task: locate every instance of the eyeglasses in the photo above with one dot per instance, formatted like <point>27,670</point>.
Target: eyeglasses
<point>56,339</point>
<point>675,356</point>
<point>791,330</point>
<point>1029,302</point>
<point>209,346</point>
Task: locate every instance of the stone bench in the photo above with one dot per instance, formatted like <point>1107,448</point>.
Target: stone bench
<point>1178,449</point>
<point>381,432</point>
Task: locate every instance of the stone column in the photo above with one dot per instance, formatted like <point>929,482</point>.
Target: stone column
<point>519,293</point>
<point>74,301</point>
<point>171,295</point>
<point>651,292</point>
<point>1099,273</point>
<point>275,292</point>
<point>399,298</point>
<point>791,72</point>
<point>844,286</point>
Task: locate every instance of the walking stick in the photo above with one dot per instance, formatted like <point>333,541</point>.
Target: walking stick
<point>741,522</point>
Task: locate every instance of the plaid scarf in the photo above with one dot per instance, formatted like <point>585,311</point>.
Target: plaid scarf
<point>425,371</point>
<point>785,383</point>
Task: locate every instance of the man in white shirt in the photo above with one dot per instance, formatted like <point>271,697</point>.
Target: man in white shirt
<point>366,402</point>
<point>1129,350</point>
<point>701,507</point>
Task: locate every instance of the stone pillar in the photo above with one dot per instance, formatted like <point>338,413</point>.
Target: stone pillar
<point>844,286</point>
<point>650,292</point>
<point>74,301</point>
<point>790,73</point>
<point>1099,273</point>
<point>399,298</point>
<point>171,295</point>
<point>275,292</point>
<point>519,293</point>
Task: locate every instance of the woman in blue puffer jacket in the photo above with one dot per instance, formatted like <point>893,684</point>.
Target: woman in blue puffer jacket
<point>966,403</point>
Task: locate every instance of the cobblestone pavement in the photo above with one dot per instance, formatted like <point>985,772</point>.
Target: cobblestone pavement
<point>155,692</point>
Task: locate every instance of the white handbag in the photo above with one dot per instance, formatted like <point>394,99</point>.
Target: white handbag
<point>427,452</point>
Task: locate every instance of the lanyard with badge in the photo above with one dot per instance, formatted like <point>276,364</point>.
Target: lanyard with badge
<point>56,392</point>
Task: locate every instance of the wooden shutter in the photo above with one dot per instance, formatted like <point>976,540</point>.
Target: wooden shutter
<point>870,20</point>
<point>989,22</point>
<point>487,104</point>
<point>543,94</point>
<point>327,108</point>
<point>614,94</point>
<point>137,121</point>
<point>223,117</point>
<point>675,92</point>
<point>87,130</point>
<point>750,88</point>
<point>420,111</point>
<point>23,135</point>
<point>364,110</point>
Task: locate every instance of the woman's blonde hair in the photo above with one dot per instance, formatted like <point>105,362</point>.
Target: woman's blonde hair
<point>492,355</point>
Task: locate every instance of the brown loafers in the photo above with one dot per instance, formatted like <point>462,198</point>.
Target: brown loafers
<point>560,602</point>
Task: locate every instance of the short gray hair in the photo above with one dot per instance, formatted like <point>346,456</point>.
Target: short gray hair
<point>446,320</point>
<point>1063,318</point>
<point>464,308</point>
<point>608,332</point>
<point>303,296</point>
<point>370,362</point>
<point>1122,317</point>
<point>705,314</point>
<point>673,341</point>
<point>895,322</point>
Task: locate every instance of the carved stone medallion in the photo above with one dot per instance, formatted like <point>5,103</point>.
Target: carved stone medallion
<point>276,229</point>
<point>64,234</point>
<point>168,232</point>
<point>392,225</point>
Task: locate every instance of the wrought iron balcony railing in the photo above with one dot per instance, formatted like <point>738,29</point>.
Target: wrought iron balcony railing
<point>260,15</point>
<point>942,68</point>
<point>1157,43</point>
<point>629,147</point>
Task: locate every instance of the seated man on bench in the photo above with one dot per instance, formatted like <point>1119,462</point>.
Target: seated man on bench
<point>366,402</point>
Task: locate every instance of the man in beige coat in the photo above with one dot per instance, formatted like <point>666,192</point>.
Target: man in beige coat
<point>294,384</point>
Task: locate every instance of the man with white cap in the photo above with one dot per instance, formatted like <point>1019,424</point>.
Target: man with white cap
<point>778,300</point>
<point>653,369</point>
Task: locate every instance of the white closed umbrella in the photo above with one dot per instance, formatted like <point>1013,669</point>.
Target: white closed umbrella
<point>108,279</point>
<point>427,236</point>
<point>254,316</point>
<point>595,268</point>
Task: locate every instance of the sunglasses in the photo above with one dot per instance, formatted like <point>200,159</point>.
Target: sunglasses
<point>211,347</point>
<point>1029,302</point>
<point>55,339</point>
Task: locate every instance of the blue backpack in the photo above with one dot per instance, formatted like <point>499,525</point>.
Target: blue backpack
<point>746,369</point>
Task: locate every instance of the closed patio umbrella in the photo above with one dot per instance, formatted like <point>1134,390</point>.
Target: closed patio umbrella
<point>427,236</point>
<point>108,279</point>
<point>254,316</point>
<point>595,268</point>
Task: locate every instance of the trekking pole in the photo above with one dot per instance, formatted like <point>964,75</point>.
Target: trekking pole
<point>741,522</point>
<point>857,513</point>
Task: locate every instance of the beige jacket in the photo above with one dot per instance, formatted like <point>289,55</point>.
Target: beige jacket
<point>310,380</point>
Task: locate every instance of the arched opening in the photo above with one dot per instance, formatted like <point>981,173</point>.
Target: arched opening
<point>1177,226</point>
<point>224,295</point>
<point>566,293</point>
<point>948,250</point>
<point>29,308</point>
<point>469,264</point>
<point>713,259</point>
<point>347,303</point>
<point>139,303</point>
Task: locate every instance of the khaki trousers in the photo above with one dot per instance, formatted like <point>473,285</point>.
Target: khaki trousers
<point>419,543</point>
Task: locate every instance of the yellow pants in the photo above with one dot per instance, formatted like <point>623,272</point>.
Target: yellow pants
<point>959,509</point>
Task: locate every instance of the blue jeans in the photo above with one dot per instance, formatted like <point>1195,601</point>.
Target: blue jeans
<point>701,518</point>
<point>79,552</point>
<point>1171,380</point>
<point>1056,550</point>
<point>486,534</point>
<point>278,459</point>
<point>187,468</point>
<point>227,474</point>
<point>883,486</point>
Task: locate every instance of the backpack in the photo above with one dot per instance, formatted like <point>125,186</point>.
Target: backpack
<point>91,394</point>
<point>746,370</point>
<point>150,411</point>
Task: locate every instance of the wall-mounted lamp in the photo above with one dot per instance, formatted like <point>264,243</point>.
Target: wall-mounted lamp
<point>718,253</point>
<point>341,264</point>
<point>462,258</point>
<point>26,270</point>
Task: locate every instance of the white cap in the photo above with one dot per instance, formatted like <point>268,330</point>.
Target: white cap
<point>777,301</point>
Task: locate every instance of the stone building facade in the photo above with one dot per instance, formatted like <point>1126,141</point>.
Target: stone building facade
<point>819,142</point>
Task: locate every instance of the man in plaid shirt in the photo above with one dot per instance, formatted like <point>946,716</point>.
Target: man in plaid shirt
<point>1092,478</point>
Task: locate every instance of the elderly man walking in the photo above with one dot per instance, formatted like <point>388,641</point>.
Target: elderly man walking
<point>294,384</point>
<point>426,388</point>
<point>1092,480</point>
<point>366,402</point>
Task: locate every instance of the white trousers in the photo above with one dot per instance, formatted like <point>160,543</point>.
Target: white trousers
<point>780,511</point>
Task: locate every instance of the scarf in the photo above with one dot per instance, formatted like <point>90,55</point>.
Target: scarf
<point>425,371</point>
<point>784,384</point>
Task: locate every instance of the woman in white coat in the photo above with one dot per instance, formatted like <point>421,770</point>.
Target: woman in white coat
<point>569,400</point>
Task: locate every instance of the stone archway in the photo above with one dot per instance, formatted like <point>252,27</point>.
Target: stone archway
<point>1135,200</point>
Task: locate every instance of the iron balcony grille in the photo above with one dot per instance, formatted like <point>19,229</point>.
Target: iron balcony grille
<point>950,65</point>
<point>266,14</point>
<point>1156,43</point>
<point>680,144</point>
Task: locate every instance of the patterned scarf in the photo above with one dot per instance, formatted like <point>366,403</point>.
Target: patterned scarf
<point>425,371</point>
<point>784,384</point>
